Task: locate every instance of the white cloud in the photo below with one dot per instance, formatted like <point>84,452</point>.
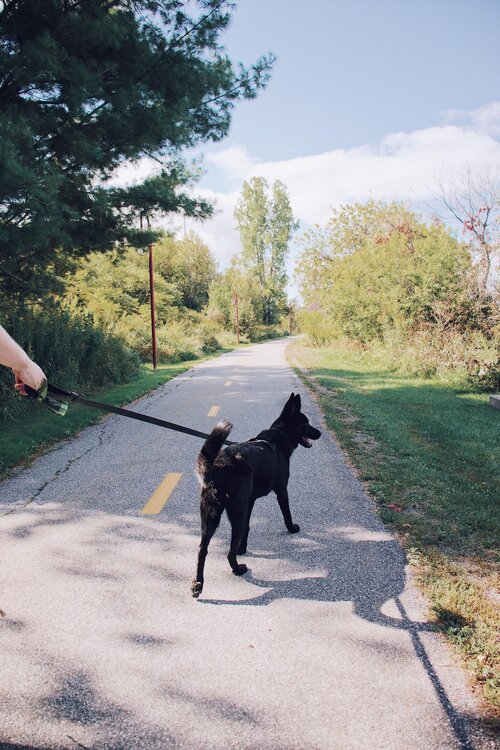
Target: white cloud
<point>402,166</point>
<point>219,232</point>
<point>233,161</point>
<point>130,173</point>
<point>484,119</point>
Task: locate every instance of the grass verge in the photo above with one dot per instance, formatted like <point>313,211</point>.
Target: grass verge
<point>429,457</point>
<point>36,428</point>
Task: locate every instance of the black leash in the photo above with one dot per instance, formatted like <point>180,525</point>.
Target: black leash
<point>53,392</point>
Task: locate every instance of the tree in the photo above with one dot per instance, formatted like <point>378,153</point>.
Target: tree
<point>402,276</point>
<point>266,225</point>
<point>115,286</point>
<point>474,201</point>
<point>85,86</point>
<point>351,227</point>
<point>236,283</point>
<point>189,264</point>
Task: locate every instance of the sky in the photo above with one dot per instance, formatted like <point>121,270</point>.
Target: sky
<point>378,99</point>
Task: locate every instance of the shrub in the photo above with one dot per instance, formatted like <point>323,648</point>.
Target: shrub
<point>73,352</point>
<point>470,355</point>
<point>317,326</point>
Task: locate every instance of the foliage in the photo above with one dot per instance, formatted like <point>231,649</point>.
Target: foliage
<point>70,348</point>
<point>85,87</point>
<point>189,264</point>
<point>378,276</point>
<point>266,224</point>
<point>236,283</point>
<point>114,288</point>
<point>470,355</point>
<point>317,326</point>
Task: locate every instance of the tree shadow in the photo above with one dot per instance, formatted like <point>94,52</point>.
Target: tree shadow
<point>362,565</point>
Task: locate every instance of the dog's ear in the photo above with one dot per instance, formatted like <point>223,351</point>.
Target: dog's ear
<point>298,403</point>
<point>289,407</point>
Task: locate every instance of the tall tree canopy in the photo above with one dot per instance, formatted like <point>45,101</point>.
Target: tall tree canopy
<point>377,269</point>
<point>85,86</point>
<point>266,225</point>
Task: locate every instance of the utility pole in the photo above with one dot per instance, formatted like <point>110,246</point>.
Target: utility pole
<point>152,301</point>
<point>235,301</point>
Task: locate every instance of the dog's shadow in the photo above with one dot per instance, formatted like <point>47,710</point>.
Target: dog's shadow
<point>362,565</point>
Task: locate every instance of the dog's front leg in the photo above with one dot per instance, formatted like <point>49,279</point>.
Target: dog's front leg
<point>284,504</point>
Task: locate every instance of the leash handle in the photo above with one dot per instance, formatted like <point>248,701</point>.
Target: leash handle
<point>42,394</point>
<point>35,395</point>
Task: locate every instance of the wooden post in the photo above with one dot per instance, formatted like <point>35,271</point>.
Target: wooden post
<point>235,300</point>
<point>152,301</point>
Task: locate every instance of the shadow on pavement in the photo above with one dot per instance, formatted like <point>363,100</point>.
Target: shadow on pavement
<point>353,568</point>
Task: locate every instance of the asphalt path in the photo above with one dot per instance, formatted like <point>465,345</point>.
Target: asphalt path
<point>322,645</point>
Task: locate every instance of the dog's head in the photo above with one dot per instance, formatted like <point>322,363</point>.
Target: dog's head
<point>295,424</point>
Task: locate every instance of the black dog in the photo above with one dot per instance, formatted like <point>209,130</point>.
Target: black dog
<point>235,477</point>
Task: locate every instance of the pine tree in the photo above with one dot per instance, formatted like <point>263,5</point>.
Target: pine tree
<point>85,86</point>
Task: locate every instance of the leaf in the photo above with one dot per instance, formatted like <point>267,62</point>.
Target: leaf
<point>395,507</point>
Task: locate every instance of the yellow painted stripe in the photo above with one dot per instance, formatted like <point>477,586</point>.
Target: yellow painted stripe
<point>213,411</point>
<point>228,382</point>
<point>161,494</point>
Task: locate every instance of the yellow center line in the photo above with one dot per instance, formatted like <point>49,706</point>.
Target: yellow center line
<point>161,494</point>
<point>213,411</point>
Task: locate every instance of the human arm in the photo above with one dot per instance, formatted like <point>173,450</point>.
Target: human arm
<point>25,370</point>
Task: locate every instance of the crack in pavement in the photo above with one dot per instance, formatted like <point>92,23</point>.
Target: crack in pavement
<point>101,439</point>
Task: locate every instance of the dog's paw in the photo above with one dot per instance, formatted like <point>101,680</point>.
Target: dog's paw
<point>294,528</point>
<point>196,589</point>
<point>240,570</point>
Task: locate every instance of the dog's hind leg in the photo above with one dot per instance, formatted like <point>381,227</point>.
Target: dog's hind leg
<point>238,517</point>
<point>209,524</point>
<point>244,539</point>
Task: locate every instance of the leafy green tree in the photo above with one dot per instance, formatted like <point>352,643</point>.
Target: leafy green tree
<point>114,287</point>
<point>189,264</point>
<point>236,283</point>
<point>85,86</point>
<point>266,225</point>
<point>350,228</point>
<point>393,273</point>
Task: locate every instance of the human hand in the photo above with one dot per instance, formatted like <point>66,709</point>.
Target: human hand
<point>29,374</point>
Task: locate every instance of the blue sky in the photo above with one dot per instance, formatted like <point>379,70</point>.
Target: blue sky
<point>351,71</point>
<point>378,99</point>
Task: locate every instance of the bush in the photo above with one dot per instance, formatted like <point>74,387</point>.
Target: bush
<point>264,332</point>
<point>471,355</point>
<point>73,352</point>
<point>178,341</point>
<point>317,326</point>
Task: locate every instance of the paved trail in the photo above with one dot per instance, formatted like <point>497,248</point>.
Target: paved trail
<point>321,646</point>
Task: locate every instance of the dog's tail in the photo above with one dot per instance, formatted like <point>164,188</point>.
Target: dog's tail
<point>211,448</point>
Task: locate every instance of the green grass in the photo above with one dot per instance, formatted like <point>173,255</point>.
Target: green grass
<point>36,428</point>
<point>431,453</point>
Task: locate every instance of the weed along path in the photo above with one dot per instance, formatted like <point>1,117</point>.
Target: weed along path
<point>322,645</point>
